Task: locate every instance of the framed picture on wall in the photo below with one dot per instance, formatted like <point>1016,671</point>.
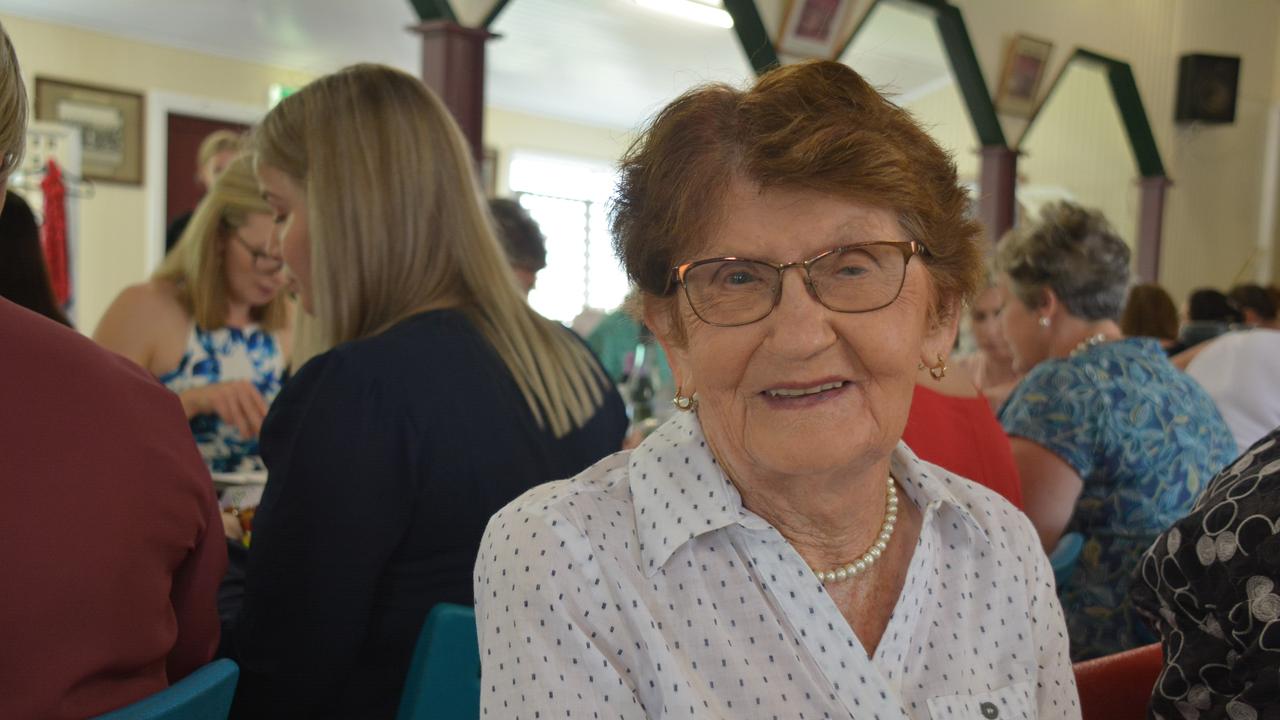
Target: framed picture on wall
<point>1024,66</point>
<point>110,123</point>
<point>819,29</point>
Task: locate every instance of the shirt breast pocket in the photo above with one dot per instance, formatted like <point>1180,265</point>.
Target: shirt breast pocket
<point>1015,702</point>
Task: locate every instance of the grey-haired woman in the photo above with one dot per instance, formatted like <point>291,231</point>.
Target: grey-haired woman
<point>1110,439</point>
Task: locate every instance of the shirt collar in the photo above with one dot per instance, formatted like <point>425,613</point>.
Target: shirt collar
<point>680,492</point>
<point>930,486</point>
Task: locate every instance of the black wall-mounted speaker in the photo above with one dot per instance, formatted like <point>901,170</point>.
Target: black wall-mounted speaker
<point>1207,88</point>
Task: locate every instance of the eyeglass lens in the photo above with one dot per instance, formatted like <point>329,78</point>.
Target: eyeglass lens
<point>854,279</point>
<point>263,261</point>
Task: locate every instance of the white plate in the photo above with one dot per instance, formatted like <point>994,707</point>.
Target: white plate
<point>252,477</point>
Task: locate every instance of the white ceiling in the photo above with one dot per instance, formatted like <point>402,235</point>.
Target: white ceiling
<point>597,62</point>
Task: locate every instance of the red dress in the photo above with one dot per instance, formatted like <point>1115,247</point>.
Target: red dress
<point>961,434</point>
<point>111,548</point>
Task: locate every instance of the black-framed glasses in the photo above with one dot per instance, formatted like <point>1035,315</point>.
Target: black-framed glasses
<point>263,261</point>
<point>732,291</point>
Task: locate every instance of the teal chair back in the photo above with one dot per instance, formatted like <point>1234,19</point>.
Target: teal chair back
<point>1065,555</point>
<point>444,678</point>
<point>203,695</point>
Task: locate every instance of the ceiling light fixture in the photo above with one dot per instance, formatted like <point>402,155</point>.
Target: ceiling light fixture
<point>701,12</point>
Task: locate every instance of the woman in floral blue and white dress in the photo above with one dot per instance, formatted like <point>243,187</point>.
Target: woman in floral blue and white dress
<point>212,323</point>
<point>1110,439</point>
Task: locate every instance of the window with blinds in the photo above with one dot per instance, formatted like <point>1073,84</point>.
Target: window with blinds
<point>568,198</point>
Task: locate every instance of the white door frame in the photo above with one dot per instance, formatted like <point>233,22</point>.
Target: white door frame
<point>159,105</point>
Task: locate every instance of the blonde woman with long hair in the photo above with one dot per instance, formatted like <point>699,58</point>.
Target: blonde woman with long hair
<point>436,395</point>
<point>212,322</point>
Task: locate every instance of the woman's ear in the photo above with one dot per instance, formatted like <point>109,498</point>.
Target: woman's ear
<point>1050,304</point>
<point>940,337</point>
<point>660,317</point>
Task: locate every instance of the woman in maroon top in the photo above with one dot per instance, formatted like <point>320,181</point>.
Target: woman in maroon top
<point>112,549</point>
<point>111,545</point>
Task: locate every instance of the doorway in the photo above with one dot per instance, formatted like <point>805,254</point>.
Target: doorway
<point>182,185</point>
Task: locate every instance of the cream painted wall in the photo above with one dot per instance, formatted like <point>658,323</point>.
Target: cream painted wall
<point>1078,149</point>
<point>113,250</point>
<point>943,114</point>
<point>1213,210</point>
<point>507,131</point>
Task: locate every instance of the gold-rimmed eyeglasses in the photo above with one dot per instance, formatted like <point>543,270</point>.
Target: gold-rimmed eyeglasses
<point>732,291</point>
<point>263,261</point>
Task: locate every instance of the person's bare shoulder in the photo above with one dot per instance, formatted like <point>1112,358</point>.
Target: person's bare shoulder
<point>146,323</point>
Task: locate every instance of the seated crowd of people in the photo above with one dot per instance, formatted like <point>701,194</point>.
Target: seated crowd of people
<point>842,517</point>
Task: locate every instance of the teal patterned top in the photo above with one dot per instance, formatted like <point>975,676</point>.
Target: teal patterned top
<point>1145,438</point>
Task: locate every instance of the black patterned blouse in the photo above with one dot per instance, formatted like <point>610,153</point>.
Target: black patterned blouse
<point>1209,586</point>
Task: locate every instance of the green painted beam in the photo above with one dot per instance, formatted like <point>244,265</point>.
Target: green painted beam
<point>752,35</point>
<point>1128,100</point>
<point>1124,88</point>
<point>964,63</point>
<point>429,10</point>
<point>494,13</point>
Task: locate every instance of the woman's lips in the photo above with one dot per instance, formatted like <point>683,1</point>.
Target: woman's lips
<point>806,395</point>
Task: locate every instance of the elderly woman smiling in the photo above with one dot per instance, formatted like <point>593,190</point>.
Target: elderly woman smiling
<point>801,249</point>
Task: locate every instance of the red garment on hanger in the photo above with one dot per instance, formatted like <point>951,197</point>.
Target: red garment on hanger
<point>53,233</point>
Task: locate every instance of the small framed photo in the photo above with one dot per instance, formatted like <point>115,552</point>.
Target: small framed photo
<point>819,29</point>
<point>1024,67</point>
<point>110,123</point>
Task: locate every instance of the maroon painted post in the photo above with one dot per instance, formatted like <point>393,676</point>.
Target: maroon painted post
<point>453,66</point>
<point>998,178</point>
<point>1151,226</point>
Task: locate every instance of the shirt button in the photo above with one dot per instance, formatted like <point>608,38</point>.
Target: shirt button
<point>989,710</point>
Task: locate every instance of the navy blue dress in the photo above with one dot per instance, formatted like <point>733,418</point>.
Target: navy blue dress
<point>387,456</point>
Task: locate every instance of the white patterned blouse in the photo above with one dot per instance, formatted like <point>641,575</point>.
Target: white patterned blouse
<point>644,588</point>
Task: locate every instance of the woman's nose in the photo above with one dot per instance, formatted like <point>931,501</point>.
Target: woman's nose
<point>801,322</point>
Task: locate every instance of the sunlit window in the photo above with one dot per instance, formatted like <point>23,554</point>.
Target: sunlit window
<point>568,198</point>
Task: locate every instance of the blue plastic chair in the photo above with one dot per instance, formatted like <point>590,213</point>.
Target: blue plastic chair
<point>203,695</point>
<point>1065,555</point>
<point>444,678</point>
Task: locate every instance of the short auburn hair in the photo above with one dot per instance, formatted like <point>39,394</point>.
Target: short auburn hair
<point>812,126</point>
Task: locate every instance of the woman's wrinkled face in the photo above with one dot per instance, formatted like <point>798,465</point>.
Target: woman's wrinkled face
<point>984,319</point>
<point>1028,340</point>
<point>806,390</point>
<point>289,203</point>
<point>249,281</point>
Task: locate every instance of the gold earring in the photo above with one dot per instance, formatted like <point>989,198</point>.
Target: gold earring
<point>940,370</point>
<point>684,402</point>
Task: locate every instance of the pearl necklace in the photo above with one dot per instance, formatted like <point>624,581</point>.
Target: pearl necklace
<point>1089,342</point>
<point>877,548</point>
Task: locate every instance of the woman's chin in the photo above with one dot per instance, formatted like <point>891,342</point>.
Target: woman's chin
<point>817,451</point>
